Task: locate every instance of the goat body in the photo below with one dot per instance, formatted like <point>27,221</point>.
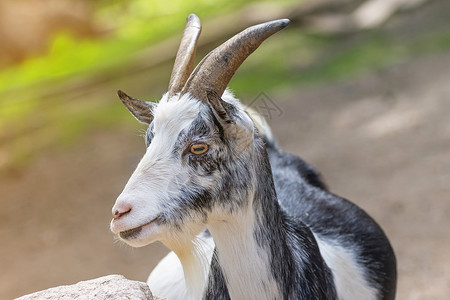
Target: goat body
<point>277,232</point>
<point>355,250</point>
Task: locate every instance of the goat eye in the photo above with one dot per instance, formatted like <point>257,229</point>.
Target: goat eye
<point>199,148</point>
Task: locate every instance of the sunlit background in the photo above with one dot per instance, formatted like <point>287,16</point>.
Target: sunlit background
<point>358,88</point>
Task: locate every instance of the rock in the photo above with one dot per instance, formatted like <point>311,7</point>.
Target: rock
<point>107,287</point>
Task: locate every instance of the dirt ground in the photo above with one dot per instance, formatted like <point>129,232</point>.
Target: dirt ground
<point>382,141</point>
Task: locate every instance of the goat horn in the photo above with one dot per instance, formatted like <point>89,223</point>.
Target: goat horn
<point>217,68</point>
<point>184,61</point>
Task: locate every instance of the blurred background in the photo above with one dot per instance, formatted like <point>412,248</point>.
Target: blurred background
<point>358,88</point>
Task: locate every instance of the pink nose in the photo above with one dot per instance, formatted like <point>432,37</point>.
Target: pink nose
<point>120,210</point>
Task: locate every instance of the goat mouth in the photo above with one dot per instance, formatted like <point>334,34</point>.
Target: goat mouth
<point>134,232</point>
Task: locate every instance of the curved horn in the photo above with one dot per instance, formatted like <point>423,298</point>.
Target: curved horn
<point>184,61</point>
<point>217,68</point>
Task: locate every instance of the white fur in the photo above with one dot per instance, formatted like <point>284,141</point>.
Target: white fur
<point>261,124</point>
<point>244,264</point>
<point>348,275</point>
<point>168,278</point>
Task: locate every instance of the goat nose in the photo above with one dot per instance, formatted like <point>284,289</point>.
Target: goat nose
<point>120,210</point>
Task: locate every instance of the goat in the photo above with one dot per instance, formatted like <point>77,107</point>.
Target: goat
<point>274,231</point>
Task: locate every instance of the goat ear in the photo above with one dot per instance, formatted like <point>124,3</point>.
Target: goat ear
<point>141,110</point>
<point>221,109</point>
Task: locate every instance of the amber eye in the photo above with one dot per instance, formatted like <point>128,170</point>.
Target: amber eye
<point>199,148</point>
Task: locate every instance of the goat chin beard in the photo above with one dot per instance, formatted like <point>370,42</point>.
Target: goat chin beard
<point>138,242</point>
<point>194,253</point>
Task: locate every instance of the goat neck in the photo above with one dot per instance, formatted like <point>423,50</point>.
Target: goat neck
<point>261,253</point>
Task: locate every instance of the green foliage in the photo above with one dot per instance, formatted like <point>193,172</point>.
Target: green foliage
<point>134,25</point>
